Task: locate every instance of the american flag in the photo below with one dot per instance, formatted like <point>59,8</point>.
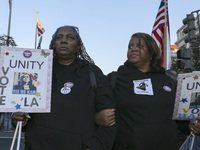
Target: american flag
<point>40,27</point>
<point>158,33</point>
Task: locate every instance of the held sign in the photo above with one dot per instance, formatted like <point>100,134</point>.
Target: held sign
<point>25,79</point>
<point>187,103</point>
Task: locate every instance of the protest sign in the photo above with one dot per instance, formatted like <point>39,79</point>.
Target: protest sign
<point>187,103</point>
<point>25,79</point>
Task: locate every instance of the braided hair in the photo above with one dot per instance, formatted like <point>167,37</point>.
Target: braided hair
<point>82,54</point>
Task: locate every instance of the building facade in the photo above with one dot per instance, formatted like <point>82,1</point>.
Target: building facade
<point>180,35</point>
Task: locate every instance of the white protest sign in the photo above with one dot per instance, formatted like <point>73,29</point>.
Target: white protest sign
<point>187,103</point>
<point>25,79</point>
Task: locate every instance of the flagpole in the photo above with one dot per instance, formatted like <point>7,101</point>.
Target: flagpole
<point>165,38</point>
<point>36,32</point>
<point>9,22</point>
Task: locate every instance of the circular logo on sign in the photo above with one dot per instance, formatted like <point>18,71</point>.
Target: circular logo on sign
<point>27,54</point>
<point>65,90</point>
<point>167,88</point>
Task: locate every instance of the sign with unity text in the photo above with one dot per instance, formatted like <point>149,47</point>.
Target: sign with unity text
<point>187,103</point>
<point>25,79</point>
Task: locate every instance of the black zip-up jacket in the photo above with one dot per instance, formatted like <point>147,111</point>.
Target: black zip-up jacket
<point>145,116</point>
<point>70,125</point>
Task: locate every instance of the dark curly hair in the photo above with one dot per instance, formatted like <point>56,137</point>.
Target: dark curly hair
<point>154,51</point>
<point>82,54</point>
<point>22,82</point>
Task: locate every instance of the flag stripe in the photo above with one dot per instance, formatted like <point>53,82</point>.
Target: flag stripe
<point>160,13</point>
<point>160,24</point>
<point>158,33</point>
<point>40,31</point>
<point>160,19</point>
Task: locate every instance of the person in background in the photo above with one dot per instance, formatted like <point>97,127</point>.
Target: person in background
<point>71,123</point>
<point>145,98</point>
<point>7,122</point>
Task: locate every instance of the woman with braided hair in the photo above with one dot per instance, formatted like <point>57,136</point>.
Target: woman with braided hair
<point>70,125</point>
<point>81,51</point>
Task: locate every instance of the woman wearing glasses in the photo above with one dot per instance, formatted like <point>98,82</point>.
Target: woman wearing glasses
<point>70,124</point>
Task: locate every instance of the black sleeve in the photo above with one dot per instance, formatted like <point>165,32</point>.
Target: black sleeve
<point>183,126</point>
<point>103,137</point>
<point>104,94</point>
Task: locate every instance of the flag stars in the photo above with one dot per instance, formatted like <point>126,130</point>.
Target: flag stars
<point>38,94</point>
<point>184,100</point>
<point>196,77</point>
<point>18,106</point>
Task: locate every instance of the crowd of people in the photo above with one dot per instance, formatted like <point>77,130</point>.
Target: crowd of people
<point>128,109</point>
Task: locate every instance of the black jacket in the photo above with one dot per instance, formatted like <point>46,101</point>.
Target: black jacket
<point>145,116</point>
<point>70,125</point>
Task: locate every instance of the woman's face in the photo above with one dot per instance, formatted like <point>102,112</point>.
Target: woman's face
<point>66,44</point>
<point>138,54</point>
<point>26,78</point>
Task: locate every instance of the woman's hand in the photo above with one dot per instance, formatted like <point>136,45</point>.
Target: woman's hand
<point>105,117</point>
<point>195,126</point>
<point>20,116</point>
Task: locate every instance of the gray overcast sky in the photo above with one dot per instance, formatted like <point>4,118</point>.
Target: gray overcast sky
<point>105,26</point>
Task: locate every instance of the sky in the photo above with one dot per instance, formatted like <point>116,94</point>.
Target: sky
<point>105,26</point>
